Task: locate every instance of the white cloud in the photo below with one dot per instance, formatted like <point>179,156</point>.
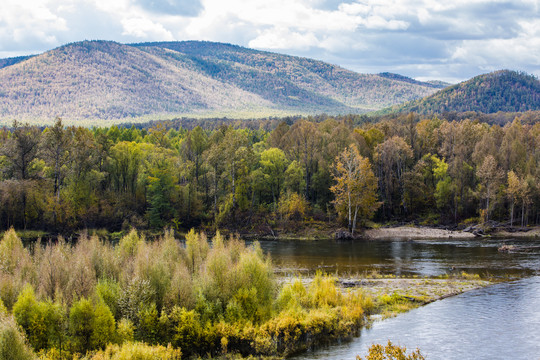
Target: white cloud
<point>23,21</point>
<point>450,38</point>
<point>145,29</point>
<point>282,38</point>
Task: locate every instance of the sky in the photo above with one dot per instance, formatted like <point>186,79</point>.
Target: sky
<point>450,40</point>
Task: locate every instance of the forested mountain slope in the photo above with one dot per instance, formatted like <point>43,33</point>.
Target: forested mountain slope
<point>504,90</point>
<point>93,80</point>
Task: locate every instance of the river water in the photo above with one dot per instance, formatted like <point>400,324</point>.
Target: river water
<point>402,257</point>
<point>498,322</point>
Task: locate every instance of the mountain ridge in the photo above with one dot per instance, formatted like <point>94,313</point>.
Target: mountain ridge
<point>104,80</point>
<point>502,90</point>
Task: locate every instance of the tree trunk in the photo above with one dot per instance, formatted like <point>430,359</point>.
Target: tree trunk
<point>350,210</point>
<point>512,214</point>
<point>354,221</point>
<point>522,212</point>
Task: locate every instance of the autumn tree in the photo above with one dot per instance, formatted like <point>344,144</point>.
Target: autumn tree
<point>303,142</point>
<point>20,150</point>
<point>356,188</point>
<point>490,179</point>
<point>391,157</point>
<point>513,191</point>
<point>55,146</point>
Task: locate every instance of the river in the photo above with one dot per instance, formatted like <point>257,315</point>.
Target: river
<point>406,257</point>
<point>498,322</point>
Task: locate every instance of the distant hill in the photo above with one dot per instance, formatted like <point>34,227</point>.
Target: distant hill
<point>13,60</point>
<point>96,80</point>
<point>504,90</point>
<point>433,83</point>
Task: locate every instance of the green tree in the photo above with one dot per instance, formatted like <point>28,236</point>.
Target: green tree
<point>161,189</point>
<point>91,325</point>
<point>274,164</point>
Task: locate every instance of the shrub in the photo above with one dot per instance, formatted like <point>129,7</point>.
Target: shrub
<point>149,267</point>
<point>109,292</point>
<point>54,265</point>
<point>137,351</point>
<point>125,331</point>
<point>323,292</point>
<point>91,325</point>
<point>127,247</point>
<point>13,255</point>
<point>292,206</point>
<point>188,332</point>
<point>196,250</point>
<point>148,327</point>
<point>133,296</point>
<point>10,287</point>
<point>13,344</point>
<point>391,352</point>
<point>30,315</point>
<point>103,326</point>
<point>181,291</point>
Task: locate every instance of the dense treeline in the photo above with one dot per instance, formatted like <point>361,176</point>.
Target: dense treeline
<point>430,169</point>
<point>94,300</point>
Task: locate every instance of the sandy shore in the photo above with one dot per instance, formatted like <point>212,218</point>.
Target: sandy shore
<point>406,232</point>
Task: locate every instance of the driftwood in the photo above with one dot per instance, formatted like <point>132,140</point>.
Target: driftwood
<point>343,235</point>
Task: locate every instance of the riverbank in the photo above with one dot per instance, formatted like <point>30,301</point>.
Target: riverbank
<point>409,232</point>
<point>310,231</point>
<point>521,233</point>
<point>413,232</point>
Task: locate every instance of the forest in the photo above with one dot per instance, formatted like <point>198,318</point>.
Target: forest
<point>268,175</point>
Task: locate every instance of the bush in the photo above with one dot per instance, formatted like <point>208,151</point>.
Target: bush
<point>292,206</point>
<point>109,292</point>
<point>188,332</point>
<point>91,325</point>
<point>127,247</point>
<point>13,255</point>
<point>125,331</point>
<point>391,352</point>
<point>30,315</point>
<point>136,351</point>
<point>13,344</point>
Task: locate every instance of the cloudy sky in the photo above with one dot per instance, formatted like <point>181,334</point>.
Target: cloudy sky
<point>426,39</point>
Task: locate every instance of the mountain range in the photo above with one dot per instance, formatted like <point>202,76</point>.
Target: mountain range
<point>103,80</point>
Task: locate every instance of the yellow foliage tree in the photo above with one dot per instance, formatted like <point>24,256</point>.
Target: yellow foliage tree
<point>356,188</point>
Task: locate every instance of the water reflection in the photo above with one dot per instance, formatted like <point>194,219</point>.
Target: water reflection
<point>402,257</point>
